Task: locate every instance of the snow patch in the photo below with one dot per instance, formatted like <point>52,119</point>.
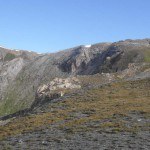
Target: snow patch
<point>6,48</point>
<point>88,46</point>
<point>2,47</point>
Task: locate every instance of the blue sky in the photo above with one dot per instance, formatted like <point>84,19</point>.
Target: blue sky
<point>52,25</point>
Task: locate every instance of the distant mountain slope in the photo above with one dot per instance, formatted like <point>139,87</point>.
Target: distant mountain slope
<point>34,70</point>
<point>11,63</point>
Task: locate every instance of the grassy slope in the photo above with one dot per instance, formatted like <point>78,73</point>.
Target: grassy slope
<point>9,57</point>
<point>12,103</point>
<point>102,108</point>
<point>147,56</point>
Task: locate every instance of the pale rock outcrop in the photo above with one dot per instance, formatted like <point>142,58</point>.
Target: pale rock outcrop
<point>56,88</point>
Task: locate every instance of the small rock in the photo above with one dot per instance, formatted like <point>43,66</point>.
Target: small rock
<point>20,141</point>
<point>44,142</point>
<point>139,120</point>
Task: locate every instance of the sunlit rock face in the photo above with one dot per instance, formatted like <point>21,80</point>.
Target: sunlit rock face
<point>56,88</point>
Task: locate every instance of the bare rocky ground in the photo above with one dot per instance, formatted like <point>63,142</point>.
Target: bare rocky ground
<point>54,137</point>
<point>63,140</point>
<point>59,135</point>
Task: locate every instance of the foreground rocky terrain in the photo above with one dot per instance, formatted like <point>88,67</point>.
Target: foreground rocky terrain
<point>109,116</point>
<point>88,97</point>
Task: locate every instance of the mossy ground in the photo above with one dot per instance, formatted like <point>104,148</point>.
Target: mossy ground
<point>13,100</point>
<point>105,108</point>
<point>9,56</point>
<point>147,56</point>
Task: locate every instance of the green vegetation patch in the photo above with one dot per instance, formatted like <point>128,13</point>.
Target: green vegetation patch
<point>9,56</point>
<point>147,56</point>
<point>7,105</point>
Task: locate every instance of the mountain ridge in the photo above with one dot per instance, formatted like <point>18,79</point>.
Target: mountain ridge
<point>35,70</point>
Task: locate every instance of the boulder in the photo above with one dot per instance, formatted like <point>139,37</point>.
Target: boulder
<point>56,88</point>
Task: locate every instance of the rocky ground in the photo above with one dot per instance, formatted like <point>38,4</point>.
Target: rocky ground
<point>89,118</point>
<point>63,140</point>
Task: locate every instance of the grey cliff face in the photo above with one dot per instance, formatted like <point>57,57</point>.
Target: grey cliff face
<point>9,71</point>
<point>106,57</point>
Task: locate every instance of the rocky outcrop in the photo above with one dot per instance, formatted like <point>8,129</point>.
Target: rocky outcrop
<point>135,70</point>
<point>105,57</point>
<point>84,59</point>
<point>56,88</point>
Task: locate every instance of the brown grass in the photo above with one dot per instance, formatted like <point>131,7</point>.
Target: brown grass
<point>101,108</point>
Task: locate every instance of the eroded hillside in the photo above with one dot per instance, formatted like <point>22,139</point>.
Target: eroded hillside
<point>28,70</point>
